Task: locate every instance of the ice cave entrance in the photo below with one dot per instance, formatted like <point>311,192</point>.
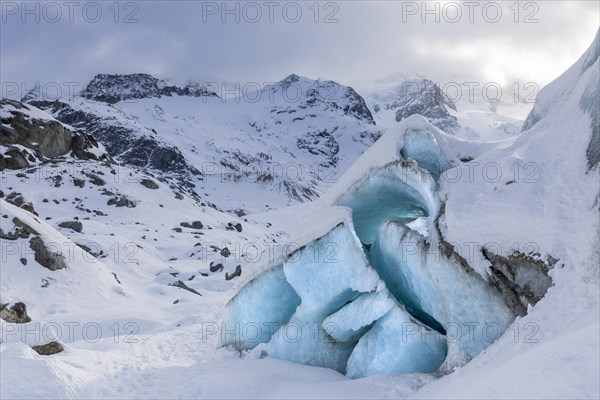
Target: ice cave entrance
<point>385,196</point>
<point>386,301</point>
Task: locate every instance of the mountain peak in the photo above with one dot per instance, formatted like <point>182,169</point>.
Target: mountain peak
<point>112,88</point>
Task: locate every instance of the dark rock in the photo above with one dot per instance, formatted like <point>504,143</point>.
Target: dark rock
<point>237,272</point>
<point>49,348</point>
<point>47,258</point>
<point>216,267</point>
<point>16,199</point>
<point>79,182</point>
<point>114,88</point>
<point>73,225</point>
<point>149,183</point>
<point>521,278</point>
<point>121,201</point>
<point>21,230</point>
<point>17,314</point>
<point>193,225</point>
<point>225,252</point>
<point>183,286</point>
<point>95,179</point>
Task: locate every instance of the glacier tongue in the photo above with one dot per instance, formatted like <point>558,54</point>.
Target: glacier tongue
<point>441,289</point>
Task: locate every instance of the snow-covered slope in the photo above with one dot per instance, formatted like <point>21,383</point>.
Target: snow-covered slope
<point>468,110</point>
<point>273,147</point>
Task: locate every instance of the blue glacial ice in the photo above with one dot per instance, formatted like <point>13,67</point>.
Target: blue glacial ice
<point>327,273</point>
<point>402,192</point>
<point>354,319</point>
<point>421,146</point>
<point>258,310</point>
<point>397,344</point>
<point>434,286</point>
<point>378,294</point>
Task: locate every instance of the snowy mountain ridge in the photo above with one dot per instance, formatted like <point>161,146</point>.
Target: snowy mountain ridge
<point>292,139</point>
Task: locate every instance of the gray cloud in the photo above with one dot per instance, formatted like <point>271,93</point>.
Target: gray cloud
<point>371,39</point>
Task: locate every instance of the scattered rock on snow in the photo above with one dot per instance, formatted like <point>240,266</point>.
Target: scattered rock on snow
<point>76,226</point>
<point>48,348</point>
<point>17,314</point>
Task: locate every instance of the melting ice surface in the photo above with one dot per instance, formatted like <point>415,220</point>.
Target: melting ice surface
<point>400,304</point>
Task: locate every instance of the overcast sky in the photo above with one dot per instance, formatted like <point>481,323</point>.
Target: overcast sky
<point>346,41</point>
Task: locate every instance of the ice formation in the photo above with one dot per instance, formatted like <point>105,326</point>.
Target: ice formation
<point>259,309</point>
<point>442,291</point>
<point>378,294</point>
<point>397,344</point>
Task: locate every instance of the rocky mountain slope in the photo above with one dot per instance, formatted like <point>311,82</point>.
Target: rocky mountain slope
<point>290,139</point>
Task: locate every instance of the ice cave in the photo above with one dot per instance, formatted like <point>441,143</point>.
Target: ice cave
<point>391,298</point>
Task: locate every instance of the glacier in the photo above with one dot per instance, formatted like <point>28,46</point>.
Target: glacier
<point>379,293</point>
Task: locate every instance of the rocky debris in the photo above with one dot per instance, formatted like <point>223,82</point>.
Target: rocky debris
<point>17,314</point>
<point>121,201</point>
<point>17,200</point>
<point>31,139</point>
<point>237,272</point>
<point>237,227</point>
<point>49,348</point>
<point>149,183</point>
<point>320,143</point>
<point>139,151</point>
<point>16,158</point>
<point>76,226</point>
<point>45,257</point>
<point>21,230</point>
<point>94,253</point>
<point>183,286</point>
<point>225,252</point>
<point>193,225</point>
<point>523,279</point>
<point>95,179</point>
<point>179,196</point>
<point>79,182</point>
<point>216,267</point>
